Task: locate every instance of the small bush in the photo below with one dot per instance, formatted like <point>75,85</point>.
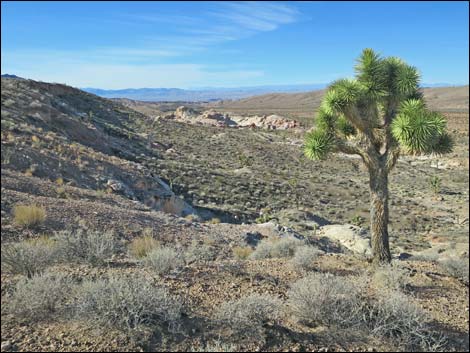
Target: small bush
<point>304,257</point>
<point>28,257</point>
<point>246,316</point>
<point>435,183</point>
<point>242,252</point>
<point>199,253</point>
<point>129,304</point>
<point>216,346</point>
<point>142,246</point>
<point>29,216</point>
<point>391,276</point>
<point>394,316</point>
<point>163,260</point>
<point>326,299</point>
<point>455,267</point>
<point>284,247</point>
<point>215,220</point>
<point>40,297</point>
<point>87,246</point>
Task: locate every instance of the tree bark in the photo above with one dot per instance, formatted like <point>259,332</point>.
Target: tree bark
<point>378,183</point>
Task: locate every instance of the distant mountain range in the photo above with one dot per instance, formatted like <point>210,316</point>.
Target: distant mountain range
<point>203,94</point>
<point>206,94</point>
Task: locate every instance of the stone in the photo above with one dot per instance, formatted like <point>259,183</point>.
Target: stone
<point>253,238</point>
<point>351,237</point>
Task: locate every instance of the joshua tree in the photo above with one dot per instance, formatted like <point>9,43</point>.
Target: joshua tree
<point>378,115</point>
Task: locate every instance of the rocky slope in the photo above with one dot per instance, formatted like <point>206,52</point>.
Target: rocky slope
<point>93,163</point>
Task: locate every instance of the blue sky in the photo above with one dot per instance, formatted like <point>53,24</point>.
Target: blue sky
<point>115,45</point>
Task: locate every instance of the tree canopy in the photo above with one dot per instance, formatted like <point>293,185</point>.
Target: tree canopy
<point>378,115</point>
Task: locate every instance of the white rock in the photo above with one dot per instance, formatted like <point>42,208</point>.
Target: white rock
<point>351,237</point>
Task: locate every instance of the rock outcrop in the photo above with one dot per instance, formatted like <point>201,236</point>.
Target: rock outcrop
<point>351,237</point>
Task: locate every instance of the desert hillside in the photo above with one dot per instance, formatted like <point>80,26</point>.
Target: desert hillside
<point>216,236</point>
<point>301,105</point>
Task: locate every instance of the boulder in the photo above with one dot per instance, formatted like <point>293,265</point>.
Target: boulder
<point>351,237</point>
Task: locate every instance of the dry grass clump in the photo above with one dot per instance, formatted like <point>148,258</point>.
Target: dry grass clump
<point>245,318</point>
<point>28,216</point>
<point>199,253</point>
<point>242,252</point>
<point>142,246</point>
<point>458,268</point>
<point>341,303</point>
<point>86,246</point>
<point>129,304</point>
<point>39,297</point>
<point>392,276</point>
<point>29,257</point>
<point>163,260</point>
<point>216,346</point>
<point>275,248</point>
<point>327,300</point>
<point>304,257</point>
<point>394,316</point>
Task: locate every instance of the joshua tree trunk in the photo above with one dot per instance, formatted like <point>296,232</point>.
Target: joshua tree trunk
<point>379,213</point>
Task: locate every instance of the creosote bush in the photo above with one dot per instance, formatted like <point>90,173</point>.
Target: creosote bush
<point>199,253</point>
<point>394,316</point>
<point>86,246</point>
<point>216,346</point>
<point>163,260</point>
<point>142,246</point>
<point>246,316</point>
<point>304,257</point>
<point>28,216</point>
<point>129,304</point>
<point>39,297</point>
<point>29,257</point>
<point>242,252</point>
<point>456,267</point>
<point>275,248</point>
<point>325,299</point>
<point>341,302</point>
<point>391,276</point>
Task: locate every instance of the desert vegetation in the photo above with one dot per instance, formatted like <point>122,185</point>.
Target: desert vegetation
<point>190,237</point>
<point>384,110</point>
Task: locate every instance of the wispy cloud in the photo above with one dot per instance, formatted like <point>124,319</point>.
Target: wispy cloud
<point>149,61</point>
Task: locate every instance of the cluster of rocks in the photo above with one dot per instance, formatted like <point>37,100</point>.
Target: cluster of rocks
<point>214,118</point>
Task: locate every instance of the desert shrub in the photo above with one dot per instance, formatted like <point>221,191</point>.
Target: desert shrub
<point>39,297</point>
<point>456,268</point>
<point>129,304</point>
<point>429,256</point>
<point>215,220</point>
<point>87,246</point>
<point>242,252</point>
<point>142,246</point>
<point>246,316</point>
<point>435,183</point>
<point>163,260</point>
<point>269,248</point>
<point>216,346</point>
<point>326,299</point>
<point>392,276</point>
<point>199,253</point>
<point>394,316</point>
<point>28,216</point>
<point>28,257</point>
<point>304,257</point>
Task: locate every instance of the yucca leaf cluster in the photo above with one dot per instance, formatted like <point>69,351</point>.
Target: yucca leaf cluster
<point>381,107</point>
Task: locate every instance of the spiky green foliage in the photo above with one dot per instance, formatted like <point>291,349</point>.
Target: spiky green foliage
<point>418,130</point>
<point>377,115</point>
<point>318,144</point>
<point>384,103</point>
